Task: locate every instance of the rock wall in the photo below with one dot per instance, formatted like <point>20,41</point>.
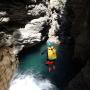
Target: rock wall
<point>8,64</point>
<point>28,22</point>
<point>81,33</point>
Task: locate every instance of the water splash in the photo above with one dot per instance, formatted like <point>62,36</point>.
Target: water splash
<point>31,82</point>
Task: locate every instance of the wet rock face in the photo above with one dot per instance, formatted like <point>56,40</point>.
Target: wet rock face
<point>81,33</point>
<point>80,29</point>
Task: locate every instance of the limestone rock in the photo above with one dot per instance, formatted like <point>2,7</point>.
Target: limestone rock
<point>29,23</point>
<point>8,64</point>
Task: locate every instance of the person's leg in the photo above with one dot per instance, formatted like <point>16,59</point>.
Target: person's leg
<point>49,68</point>
<point>54,67</point>
<point>49,65</point>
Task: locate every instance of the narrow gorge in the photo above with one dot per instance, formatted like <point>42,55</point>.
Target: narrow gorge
<point>26,26</point>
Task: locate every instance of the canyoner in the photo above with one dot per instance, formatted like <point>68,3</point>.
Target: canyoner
<point>52,43</point>
<point>51,56</point>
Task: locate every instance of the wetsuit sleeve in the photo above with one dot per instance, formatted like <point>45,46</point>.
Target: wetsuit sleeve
<point>44,51</point>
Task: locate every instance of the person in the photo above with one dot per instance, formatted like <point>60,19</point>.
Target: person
<point>51,58</point>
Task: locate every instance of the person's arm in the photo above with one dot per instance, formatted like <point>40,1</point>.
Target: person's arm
<point>44,51</point>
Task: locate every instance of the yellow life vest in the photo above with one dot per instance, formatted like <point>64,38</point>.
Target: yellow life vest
<point>52,55</point>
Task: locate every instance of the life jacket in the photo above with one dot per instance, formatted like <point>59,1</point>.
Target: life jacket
<point>52,55</point>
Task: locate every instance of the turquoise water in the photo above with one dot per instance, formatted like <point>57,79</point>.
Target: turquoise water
<point>32,60</point>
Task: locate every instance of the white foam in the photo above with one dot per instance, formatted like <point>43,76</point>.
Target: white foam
<point>29,82</point>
